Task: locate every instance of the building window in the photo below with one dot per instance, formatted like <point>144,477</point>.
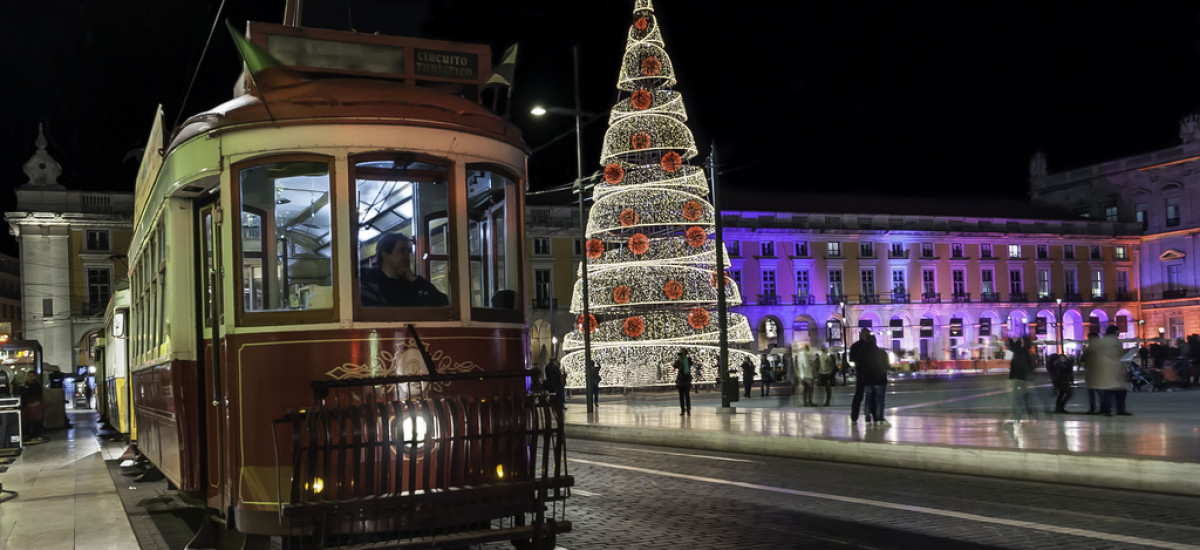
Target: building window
<point>578,247</point>
<point>1068,252</point>
<point>99,288</point>
<point>802,249</point>
<point>736,275</point>
<point>1070,283</point>
<point>1139,213</point>
<point>1043,283</point>
<point>1110,213</point>
<point>833,250</point>
<point>1014,282</point>
<point>898,284</point>
<point>928,281</point>
<point>868,281</point>
<point>1175,277</point>
<point>1172,211</point>
<point>985,250</point>
<point>1042,252</point>
<point>956,250</point>
<point>1014,251</point>
<point>988,280</point>
<point>768,282</point>
<point>97,241</point>
<point>835,283</point>
<point>767,248</point>
<point>897,250</point>
<point>1121,253</point>
<point>541,246</point>
<point>541,288</point>
<point>958,281</point>
<point>802,283</point>
<point>1175,328</point>
<point>734,248</point>
<point>926,250</point>
<point>1123,282</point>
<point>47,307</point>
<point>1095,252</point>
<point>866,250</point>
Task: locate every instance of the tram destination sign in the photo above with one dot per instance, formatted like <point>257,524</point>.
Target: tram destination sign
<point>446,64</point>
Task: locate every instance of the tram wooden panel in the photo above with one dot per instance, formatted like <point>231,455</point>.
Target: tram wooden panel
<point>165,403</point>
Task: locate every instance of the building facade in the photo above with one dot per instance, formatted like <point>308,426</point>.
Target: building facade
<point>553,240</point>
<point>10,296</point>
<point>72,252</point>
<point>1160,192</point>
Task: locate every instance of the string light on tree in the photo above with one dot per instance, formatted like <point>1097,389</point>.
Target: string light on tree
<point>651,260</point>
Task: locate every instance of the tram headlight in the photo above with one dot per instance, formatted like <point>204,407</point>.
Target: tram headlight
<point>316,486</point>
<point>413,430</point>
<point>499,471</point>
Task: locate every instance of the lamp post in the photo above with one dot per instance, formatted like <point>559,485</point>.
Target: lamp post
<point>1060,328</point>
<point>584,324</point>
<point>845,342</point>
<point>1141,338</point>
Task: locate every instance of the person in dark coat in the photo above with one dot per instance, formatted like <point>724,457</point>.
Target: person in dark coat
<point>862,353</point>
<point>747,375</point>
<point>33,410</point>
<point>767,373</point>
<point>1062,375</point>
<point>683,381</point>
<point>873,375</point>
<point>1020,371</point>
<point>554,384</point>
<point>391,282</point>
<point>593,380</point>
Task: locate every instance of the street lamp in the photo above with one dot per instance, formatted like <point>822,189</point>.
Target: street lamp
<point>584,325</point>
<point>1141,338</point>
<point>845,343</point>
<point>1060,327</point>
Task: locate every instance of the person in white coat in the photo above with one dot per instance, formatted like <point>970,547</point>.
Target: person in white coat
<point>806,375</point>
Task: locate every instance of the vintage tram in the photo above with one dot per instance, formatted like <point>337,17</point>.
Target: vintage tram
<point>327,316</point>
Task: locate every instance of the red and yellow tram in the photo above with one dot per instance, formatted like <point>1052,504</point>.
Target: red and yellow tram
<point>327,318</point>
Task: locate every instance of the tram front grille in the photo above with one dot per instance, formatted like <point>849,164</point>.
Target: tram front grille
<point>463,457</point>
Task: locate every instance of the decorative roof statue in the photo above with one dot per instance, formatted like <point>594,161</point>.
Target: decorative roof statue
<point>1189,128</point>
<point>1037,166</point>
<point>41,168</point>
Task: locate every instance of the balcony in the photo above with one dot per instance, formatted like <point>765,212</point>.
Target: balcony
<point>868,298</point>
<point>803,299</point>
<point>900,297</point>
<point>961,297</point>
<point>1072,297</point>
<point>931,298</point>
<point>1124,296</point>
<point>897,254</point>
<point>1174,293</point>
<point>835,299</point>
<point>1017,297</point>
<point>545,303</point>
<point>990,297</point>
<point>1046,297</point>
<point>1101,297</point>
<point>768,299</point>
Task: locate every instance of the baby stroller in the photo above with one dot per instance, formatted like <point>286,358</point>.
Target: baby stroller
<point>1141,379</point>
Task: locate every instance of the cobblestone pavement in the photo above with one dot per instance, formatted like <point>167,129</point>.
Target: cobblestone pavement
<point>630,496</point>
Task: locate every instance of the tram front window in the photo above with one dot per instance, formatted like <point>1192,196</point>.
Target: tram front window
<point>286,240</point>
<point>492,240</point>
<point>402,232</point>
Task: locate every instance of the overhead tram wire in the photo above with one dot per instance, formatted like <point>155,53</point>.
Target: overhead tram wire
<point>188,92</point>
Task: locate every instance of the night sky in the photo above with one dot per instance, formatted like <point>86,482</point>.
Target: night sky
<point>886,97</point>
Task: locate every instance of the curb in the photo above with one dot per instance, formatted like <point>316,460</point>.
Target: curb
<point>1137,474</point>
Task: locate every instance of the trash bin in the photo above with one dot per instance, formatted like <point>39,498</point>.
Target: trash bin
<point>729,389</point>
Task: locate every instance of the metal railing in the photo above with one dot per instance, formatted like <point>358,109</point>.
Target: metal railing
<point>545,303</point>
<point>931,297</point>
<point>1018,297</point>
<point>899,297</point>
<point>803,299</point>
<point>990,297</point>
<point>1124,296</point>
<point>1072,297</point>
<point>960,297</point>
<point>868,298</point>
<point>1101,297</point>
<point>432,459</point>
<point>1171,294</point>
<point>768,299</point>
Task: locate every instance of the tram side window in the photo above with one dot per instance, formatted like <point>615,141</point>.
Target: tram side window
<point>402,232</point>
<point>493,239</point>
<point>285,236</point>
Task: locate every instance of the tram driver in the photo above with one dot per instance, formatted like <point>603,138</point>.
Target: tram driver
<point>391,282</point>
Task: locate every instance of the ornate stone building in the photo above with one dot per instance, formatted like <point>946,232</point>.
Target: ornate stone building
<point>72,252</point>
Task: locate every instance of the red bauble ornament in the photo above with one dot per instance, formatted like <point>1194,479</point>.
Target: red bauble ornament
<point>671,161</point>
<point>639,244</point>
<point>613,173</point>
<point>634,327</point>
<point>628,217</point>
<point>651,65</point>
<point>641,100</point>
<point>641,24</point>
<point>698,318</point>
<point>595,248</point>
<point>591,324</point>
<point>712,280</point>
<point>621,295</point>
<point>696,236</point>
<point>692,210</point>
<point>673,290</point>
<point>640,140</point>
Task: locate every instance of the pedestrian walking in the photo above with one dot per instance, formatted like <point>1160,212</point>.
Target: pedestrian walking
<point>683,381</point>
<point>593,377</point>
<point>828,373</point>
<point>767,373</point>
<point>747,375</point>
<point>806,375</point>
<point>1091,372</point>
<point>1062,375</point>
<point>1020,371</point>
<point>1111,374</point>
<point>554,384</point>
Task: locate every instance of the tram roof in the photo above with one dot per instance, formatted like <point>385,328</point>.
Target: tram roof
<point>342,100</point>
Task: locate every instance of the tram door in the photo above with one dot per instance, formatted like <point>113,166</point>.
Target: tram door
<point>208,284</point>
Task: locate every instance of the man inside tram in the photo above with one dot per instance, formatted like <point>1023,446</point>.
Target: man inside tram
<point>391,282</point>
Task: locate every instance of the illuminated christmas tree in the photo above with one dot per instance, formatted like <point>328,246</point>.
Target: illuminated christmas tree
<point>652,262</point>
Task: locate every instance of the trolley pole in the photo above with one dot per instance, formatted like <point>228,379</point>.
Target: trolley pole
<point>722,321</point>
<point>585,326</point>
